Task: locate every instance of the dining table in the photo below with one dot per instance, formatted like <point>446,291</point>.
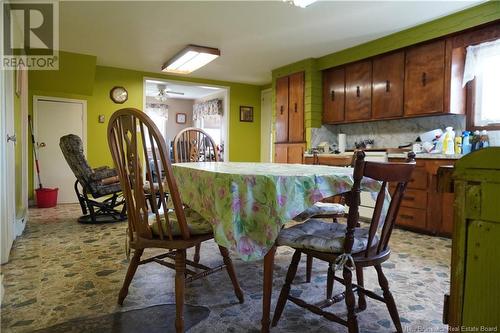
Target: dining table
<point>247,204</point>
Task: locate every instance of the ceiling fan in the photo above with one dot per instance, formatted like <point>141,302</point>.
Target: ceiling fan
<point>162,94</point>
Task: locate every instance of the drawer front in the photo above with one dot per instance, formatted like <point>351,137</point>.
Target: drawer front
<point>415,199</point>
<point>418,179</point>
<point>412,217</point>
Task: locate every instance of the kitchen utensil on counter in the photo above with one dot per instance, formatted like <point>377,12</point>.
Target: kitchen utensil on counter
<point>342,142</point>
<point>324,147</point>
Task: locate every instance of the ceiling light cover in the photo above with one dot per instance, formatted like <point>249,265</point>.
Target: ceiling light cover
<point>190,59</point>
<point>301,3</point>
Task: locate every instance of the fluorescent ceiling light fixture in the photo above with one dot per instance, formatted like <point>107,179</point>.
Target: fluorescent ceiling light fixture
<point>301,3</point>
<point>190,59</point>
<point>208,87</point>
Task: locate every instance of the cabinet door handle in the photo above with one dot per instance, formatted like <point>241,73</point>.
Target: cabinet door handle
<point>332,95</point>
<point>295,107</point>
<point>406,217</point>
<point>387,86</point>
<point>358,92</point>
<point>281,109</point>
<point>424,79</point>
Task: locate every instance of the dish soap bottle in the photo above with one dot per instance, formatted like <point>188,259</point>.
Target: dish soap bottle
<point>449,141</point>
<point>466,146</point>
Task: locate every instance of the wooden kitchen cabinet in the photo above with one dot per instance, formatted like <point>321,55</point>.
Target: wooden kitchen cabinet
<point>289,146</point>
<point>289,152</point>
<point>358,91</point>
<point>388,84</point>
<point>424,79</point>
<point>333,95</point>
<point>423,208</point>
<point>282,109</point>
<point>296,107</point>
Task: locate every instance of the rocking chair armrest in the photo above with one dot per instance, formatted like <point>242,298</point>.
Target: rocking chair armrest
<point>102,173</point>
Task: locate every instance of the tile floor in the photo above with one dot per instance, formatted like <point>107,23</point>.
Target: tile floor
<point>60,270</point>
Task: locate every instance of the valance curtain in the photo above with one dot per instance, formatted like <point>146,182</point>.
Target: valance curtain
<point>483,64</point>
<point>212,107</point>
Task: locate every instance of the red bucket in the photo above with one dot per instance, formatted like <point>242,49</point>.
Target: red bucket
<point>46,197</point>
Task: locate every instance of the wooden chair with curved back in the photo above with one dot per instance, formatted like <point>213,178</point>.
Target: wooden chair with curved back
<point>350,247</point>
<point>194,145</point>
<point>175,228</point>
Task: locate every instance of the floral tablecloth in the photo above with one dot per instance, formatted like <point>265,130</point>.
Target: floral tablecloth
<point>248,203</point>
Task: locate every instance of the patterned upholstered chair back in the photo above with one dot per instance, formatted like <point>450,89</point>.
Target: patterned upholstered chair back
<point>72,149</point>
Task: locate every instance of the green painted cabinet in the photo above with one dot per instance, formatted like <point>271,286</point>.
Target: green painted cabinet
<point>475,269</point>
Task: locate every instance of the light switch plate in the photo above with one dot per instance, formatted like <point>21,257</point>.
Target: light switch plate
<point>101,118</point>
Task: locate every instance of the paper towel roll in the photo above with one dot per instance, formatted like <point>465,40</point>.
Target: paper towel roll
<point>342,142</point>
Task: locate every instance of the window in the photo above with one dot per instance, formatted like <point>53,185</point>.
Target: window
<point>482,70</point>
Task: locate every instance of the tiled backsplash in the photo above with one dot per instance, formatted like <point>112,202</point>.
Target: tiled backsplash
<point>392,133</point>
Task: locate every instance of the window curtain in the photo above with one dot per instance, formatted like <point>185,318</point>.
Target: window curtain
<point>209,108</point>
<point>482,63</point>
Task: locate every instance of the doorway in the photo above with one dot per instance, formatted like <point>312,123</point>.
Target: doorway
<point>266,130</point>
<point>52,119</point>
<point>171,105</point>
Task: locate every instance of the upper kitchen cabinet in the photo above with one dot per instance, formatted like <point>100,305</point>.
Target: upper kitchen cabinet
<point>289,145</point>
<point>333,95</point>
<point>388,84</point>
<point>282,109</point>
<point>358,87</point>
<point>424,82</point>
<point>296,107</point>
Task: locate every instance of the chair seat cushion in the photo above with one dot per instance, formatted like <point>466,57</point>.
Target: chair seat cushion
<point>323,237</point>
<point>321,208</point>
<point>196,223</point>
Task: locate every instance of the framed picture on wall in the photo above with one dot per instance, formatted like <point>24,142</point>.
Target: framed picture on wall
<point>246,113</point>
<point>180,118</point>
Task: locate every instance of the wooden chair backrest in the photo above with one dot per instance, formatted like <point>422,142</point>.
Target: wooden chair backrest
<point>194,145</point>
<point>130,131</point>
<point>397,173</point>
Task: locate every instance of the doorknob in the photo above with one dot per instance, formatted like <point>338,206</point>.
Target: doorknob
<point>42,145</point>
<point>11,138</point>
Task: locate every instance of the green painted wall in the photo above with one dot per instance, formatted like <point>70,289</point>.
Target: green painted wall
<point>484,13</point>
<point>71,82</point>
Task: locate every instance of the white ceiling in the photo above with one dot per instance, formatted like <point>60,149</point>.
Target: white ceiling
<point>254,37</point>
<point>190,91</point>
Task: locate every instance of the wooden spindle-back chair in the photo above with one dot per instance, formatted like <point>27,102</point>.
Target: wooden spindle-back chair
<point>356,248</point>
<point>194,145</point>
<point>171,227</point>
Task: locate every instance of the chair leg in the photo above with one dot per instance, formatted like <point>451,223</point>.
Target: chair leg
<point>132,268</point>
<point>196,257</point>
<point>330,278</point>
<point>389,300</point>
<point>285,290</point>
<point>232,274</point>
<point>309,264</point>
<point>360,281</point>
<point>352,321</point>
<point>180,266</point>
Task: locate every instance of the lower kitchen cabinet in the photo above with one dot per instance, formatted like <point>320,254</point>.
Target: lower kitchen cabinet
<point>423,208</point>
<point>289,152</point>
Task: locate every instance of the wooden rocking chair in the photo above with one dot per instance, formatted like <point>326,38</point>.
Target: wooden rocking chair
<point>131,134</point>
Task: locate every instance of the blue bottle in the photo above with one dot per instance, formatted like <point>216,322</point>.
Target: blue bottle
<point>466,145</point>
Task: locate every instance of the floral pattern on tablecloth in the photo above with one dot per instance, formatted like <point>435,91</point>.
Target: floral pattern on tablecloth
<point>248,203</point>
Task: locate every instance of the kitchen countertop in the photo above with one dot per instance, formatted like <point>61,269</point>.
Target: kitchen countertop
<point>427,156</point>
<point>394,155</point>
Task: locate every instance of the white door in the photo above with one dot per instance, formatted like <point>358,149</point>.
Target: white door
<point>54,119</point>
<point>266,118</point>
<point>7,165</point>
